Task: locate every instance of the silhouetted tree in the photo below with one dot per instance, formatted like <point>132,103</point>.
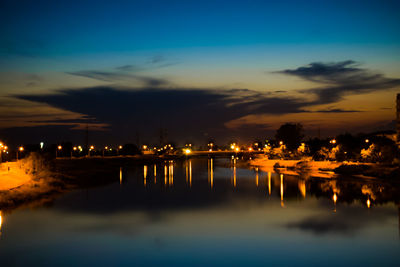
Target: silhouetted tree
<point>291,134</point>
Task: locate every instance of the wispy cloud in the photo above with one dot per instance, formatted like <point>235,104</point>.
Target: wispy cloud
<point>129,72</point>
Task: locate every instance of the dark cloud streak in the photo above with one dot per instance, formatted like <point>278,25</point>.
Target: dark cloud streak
<point>341,79</point>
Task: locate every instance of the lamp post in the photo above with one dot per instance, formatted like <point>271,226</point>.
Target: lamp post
<point>73,149</point>
<point>58,148</point>
<point>90,149</point>
<point>105,148</point>
<point>20,149</point>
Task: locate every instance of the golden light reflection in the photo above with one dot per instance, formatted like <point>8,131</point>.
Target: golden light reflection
<point>171,173</point>
<point>234,173</point>
<point>186,171</point>
<point>211,173</point>
<point>165,174</point>
<point>335,198</point>
<point>269,183</point>
<point>302,187</point>
<point>190,173</point>
<point>145,175</point>
<point>282,204</point>
<point>257,177</point>
<point>120,175</point>
<point>155,173</point>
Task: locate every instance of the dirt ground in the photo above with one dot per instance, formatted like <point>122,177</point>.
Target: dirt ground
<point>12,175</point>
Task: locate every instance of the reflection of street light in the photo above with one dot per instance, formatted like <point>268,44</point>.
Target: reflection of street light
<point>334,200</point>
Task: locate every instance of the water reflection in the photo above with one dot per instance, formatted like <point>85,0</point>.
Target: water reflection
<point>226,209</point>
<point>234,172</point>
<point>302,187</point>
<point>282,204</point>
<point>257,177</point>
<point>269,183</point>
<point>211,172</point>
<point>155,173</point>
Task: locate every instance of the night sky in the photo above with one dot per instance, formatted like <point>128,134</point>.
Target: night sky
<point>222,70</point>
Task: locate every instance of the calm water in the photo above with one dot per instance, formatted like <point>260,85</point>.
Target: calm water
<point>203,212</point>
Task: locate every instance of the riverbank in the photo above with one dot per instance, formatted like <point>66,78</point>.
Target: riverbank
<point>327,169</point>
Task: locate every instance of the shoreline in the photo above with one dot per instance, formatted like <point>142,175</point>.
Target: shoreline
<point>37,185</point>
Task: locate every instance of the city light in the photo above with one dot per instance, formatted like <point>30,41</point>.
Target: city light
<point>21,148</point>
<point>74,148</point>
<point>280,142</point>
<point>188,151</point>
<point>366,140</point>
<point>333,141</point>
<point>59,147</point>
<point>91,147</point>
<point>236,149</point>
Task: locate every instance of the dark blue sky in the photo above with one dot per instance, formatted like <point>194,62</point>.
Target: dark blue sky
<point>262,63</point>
<point>73,27</point>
